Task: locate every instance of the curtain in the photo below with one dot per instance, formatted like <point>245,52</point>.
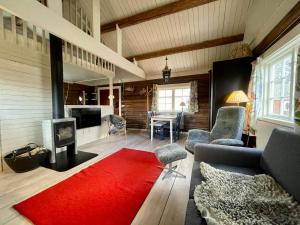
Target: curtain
<point>193,105</point>
<point>154,98</point>
<point>297,95</point>
<point>255,94</point>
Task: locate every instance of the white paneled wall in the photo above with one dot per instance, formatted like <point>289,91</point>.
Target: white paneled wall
<point>264,131</point>
<point>26,99</point>
<point>25,95</point>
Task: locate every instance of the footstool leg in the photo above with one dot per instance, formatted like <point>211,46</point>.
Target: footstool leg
<point>172,169</point>
<point>180,174</point>
<point>168,172</point>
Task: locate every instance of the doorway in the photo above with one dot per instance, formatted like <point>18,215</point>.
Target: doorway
<point>103,94</point>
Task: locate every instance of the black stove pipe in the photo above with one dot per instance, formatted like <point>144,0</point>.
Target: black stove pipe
<point>57,76</point>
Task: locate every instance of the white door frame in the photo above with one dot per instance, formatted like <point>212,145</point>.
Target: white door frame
<point>107,88</point>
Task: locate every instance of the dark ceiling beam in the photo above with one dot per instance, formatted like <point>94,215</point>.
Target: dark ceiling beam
<point>191,47</point>
<point>288,22</point>
<point>153,13</point>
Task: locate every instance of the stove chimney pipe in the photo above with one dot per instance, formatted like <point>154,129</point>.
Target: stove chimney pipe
<point>57,75</point>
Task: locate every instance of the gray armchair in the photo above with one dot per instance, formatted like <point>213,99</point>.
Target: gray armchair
<point>227,130</point>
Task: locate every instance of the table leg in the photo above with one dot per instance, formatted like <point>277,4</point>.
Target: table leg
<point>151,129</point>
<point>171,131</point>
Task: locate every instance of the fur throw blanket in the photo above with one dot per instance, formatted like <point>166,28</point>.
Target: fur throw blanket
<point>227,198</point>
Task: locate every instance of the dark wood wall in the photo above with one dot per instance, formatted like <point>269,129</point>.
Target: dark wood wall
<point>74,91</point>
<point>135,104</point>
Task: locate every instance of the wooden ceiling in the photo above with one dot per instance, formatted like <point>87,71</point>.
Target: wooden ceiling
<point>215,20</point>
<point>160,11</point>
<point>188,48</point>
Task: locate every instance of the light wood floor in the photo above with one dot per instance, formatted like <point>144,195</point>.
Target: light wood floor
<point>165,204</point>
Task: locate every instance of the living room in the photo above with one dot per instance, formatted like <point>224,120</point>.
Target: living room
<point>149,112</point>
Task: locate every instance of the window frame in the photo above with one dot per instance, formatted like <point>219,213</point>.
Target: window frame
<point>268,87</point>
<point>172,87</point>
<point>267,64</point>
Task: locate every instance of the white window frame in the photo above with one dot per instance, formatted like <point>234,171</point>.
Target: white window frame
<point>291,48</point>
<point>172,87</point>
<point>268,68</point>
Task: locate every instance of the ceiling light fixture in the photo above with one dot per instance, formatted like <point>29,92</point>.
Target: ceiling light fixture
<point>166,72</point>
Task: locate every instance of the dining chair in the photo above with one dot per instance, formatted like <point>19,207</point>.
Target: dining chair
<point>158,127</point>
<point>176,127</point>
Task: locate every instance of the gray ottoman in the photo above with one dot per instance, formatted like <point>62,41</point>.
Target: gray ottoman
<point>168,154</point>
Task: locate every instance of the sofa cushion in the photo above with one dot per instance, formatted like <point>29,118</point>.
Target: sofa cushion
<point>197,177</point>
<point>281,159</point>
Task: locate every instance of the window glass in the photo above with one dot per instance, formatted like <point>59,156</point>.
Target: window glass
<point>172,99</point>
<point>280,81</point>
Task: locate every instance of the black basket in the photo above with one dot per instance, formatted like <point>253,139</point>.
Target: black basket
<point>25,163</point>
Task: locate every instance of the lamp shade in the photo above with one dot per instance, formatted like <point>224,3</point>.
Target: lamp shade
<point>182,104</point>
<point>237,97</point>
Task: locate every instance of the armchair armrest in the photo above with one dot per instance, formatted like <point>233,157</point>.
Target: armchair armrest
<point>225,141</point>
<point>230,155</point>
<point>198,135</point>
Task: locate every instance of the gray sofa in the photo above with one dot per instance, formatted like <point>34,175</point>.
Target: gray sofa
<point>280,159</point>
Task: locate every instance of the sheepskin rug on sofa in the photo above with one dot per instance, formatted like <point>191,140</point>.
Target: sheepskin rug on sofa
<point>227,198</point>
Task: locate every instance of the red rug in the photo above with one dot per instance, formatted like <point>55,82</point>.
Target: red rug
<point>109,192</point>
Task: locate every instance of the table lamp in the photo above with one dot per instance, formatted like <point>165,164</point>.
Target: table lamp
<point>237,97</point>
<point>182,104</point>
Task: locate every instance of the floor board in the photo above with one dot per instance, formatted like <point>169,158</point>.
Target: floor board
<point>165,204</point>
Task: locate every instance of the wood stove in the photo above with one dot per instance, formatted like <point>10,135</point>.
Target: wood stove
<point>59,133</point>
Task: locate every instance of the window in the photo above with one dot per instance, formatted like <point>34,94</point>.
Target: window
<point>279,89</point>
<point>280,80</point>
<point>165,97</point>
<point>181,95</point>
<point>171,96</point>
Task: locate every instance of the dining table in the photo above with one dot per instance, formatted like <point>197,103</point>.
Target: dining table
<point>169,118</point>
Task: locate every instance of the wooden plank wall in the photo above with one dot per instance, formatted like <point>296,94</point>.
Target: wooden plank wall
<point>25,95</point>
<point>135,109</point>
<point>73,91</point>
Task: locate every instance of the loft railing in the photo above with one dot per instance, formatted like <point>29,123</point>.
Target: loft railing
<point>74,12</point>
<point>19,32</point>
<point>75,55</point>
<point>23,34</point>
